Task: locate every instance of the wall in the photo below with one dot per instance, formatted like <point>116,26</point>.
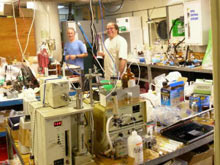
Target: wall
<point>139,8</point>
<point>8,42</point>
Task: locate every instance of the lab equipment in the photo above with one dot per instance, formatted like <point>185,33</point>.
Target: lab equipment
<point>58,135</point>
<point>187,131</point>
<point>111,132</point>
<point>54,91</point>
<point>79,99</point>
<point>90,77</point>
<point>105,98</point>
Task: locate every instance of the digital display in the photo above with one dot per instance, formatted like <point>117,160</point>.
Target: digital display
<point>136,108</point>
<point>57,123</point>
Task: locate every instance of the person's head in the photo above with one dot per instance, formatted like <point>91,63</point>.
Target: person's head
<point>71,34</point>
<point>112,30</point>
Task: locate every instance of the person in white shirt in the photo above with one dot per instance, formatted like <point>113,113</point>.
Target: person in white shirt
<point>117,46</point>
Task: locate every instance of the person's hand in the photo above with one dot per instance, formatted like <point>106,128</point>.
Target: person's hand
<point>67,57</point>
<point>101,54</point>
<point>72,57</point>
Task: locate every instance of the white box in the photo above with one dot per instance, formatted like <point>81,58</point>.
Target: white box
<point>131,23</point>
<point>55,92</point>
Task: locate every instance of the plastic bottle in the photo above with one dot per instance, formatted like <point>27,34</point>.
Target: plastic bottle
<point>130,144</point>
<point>135,147</point>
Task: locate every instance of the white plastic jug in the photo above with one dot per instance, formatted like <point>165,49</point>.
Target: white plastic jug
<point>130,144</point>
<point>135,147</point>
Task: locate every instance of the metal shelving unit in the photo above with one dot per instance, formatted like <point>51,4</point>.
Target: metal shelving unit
<point>181,151</point>
<point>164,68</point>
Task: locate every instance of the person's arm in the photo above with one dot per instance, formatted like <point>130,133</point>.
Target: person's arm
<point>75,56</point>
<point>122,65</point>
<point>82,55</point>
<point>65,53</point>
<point>83,51</point>
<point>101,54</point>
<point>122,55</point>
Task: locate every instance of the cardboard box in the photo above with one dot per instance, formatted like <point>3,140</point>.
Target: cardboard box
<point>6,10</point>
<point>204,158</point>
<point>172,94</point>
<point>24,12</point>
<point>203,86</point>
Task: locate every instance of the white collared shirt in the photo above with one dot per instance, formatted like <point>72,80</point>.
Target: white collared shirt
<point>117,47</point>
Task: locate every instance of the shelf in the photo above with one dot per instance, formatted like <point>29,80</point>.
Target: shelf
<point>11,102</point>
<point>164,68</point>
<point>181,151</point>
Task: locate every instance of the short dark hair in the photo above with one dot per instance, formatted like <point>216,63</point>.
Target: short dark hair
<point>116,27</point>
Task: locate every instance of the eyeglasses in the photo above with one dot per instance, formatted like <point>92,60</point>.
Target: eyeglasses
<point>111,28</point>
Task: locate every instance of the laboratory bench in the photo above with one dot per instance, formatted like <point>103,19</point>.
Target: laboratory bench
<point>8,104</point>
<point>150,71</point>
<point>12,145</point>
<point>150,157</point>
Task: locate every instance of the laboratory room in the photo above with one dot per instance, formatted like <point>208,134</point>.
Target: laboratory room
<point>109,82</point>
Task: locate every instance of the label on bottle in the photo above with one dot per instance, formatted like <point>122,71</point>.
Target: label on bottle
<point>138,153</point>
<point>131,83</point>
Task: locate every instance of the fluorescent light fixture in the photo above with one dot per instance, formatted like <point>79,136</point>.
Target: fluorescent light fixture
<point>30,5</point>
<point>60,6</point>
